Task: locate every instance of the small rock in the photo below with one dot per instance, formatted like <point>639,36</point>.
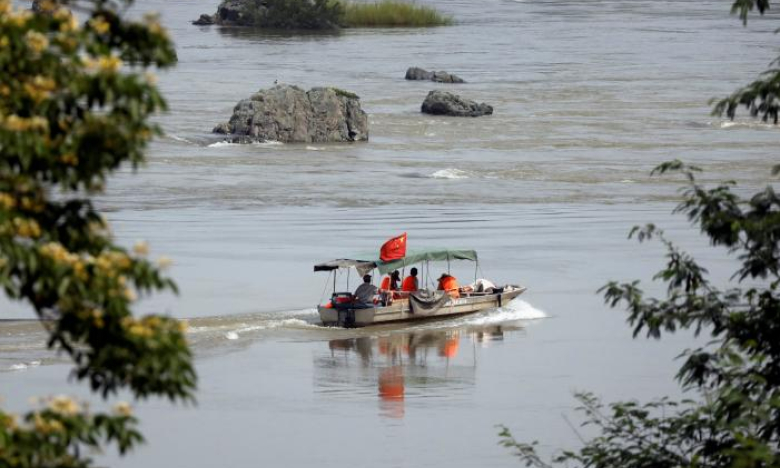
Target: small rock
<point>204,20</point>
<point>222,128</point>
<point>444,103</point>
<point>416,73</point>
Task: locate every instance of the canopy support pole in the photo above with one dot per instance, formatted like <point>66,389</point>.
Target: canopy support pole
<point>334,280</point>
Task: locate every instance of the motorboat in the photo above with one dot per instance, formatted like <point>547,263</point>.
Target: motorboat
<point>394,306</point>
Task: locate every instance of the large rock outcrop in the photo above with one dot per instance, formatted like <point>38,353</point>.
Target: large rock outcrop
<point>415,73</point>
<point>275,14</point>
<point>444,103</point>
<point>289,114</point>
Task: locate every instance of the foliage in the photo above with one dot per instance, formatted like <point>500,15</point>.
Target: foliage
<point>330,14</point>
<point>736,422</point>
<point>392,13</point>
<point>344,93</point>
<point>55,434</point>
<point>762,96</point>
<point>74,107</point>
<point>735,419</point>
<point>292,14</point>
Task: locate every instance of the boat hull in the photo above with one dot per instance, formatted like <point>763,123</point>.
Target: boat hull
<point>400,310</point>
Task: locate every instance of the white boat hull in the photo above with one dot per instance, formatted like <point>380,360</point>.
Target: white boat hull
<point>399,310</point>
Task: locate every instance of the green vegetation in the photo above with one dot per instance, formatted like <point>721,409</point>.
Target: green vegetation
<point>346,94</point>
<point>391,13</point>
<point>292,14</point>
<point>733,416</point>
<point>75,104</point>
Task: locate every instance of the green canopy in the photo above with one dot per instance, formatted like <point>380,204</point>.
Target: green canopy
<point>418,256</point>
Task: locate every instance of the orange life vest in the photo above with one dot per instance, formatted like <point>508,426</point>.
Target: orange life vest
<point>450,284</point>
<point>410,284</point>
<point>385,286</point>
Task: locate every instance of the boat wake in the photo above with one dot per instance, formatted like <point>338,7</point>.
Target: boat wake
<point>516,312</point>
<point>23,343</point>
<point>450,173</point>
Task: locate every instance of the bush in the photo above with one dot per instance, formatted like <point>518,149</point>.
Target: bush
<point>293,14</point>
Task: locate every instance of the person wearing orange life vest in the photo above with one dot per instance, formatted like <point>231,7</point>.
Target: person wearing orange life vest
<point>449,284</point>
<point>410,282</point>
<point>390,282</point>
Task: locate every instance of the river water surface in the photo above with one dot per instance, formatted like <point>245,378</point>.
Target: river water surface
<point>589,96</point>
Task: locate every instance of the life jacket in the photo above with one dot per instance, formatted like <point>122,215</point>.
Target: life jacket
<point>385,286</point>
<point>410,284</point>
<point>450,284</point>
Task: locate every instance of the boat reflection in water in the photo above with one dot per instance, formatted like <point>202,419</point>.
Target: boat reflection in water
<point>403,366</point>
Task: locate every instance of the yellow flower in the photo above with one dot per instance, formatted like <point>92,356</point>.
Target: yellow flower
<point>99,25</point>
<point>140,330</point>
<point>152,321</point>
<point>123,408</point>
<point>18,17</point>
<point>69,159</point>
<point>7,201</point>
<point>80,271</point>
<point>130,295</point>
<point>39,88</point>
<point>69,23</point>
<point>47,5</point>
<point>141,248</point>
<point>10,421</point>
<point>36,41</point>
<point>164,262</point>
<point>105,63</point>
<point>64,405</point>
<point>4,42</point>
<point>15,123</point>
<point>27,228</point>
<point>151,78</point>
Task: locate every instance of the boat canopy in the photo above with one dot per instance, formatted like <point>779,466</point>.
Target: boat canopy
<point>361,265</point>
<point>411,258</point>
<point>418,256</point>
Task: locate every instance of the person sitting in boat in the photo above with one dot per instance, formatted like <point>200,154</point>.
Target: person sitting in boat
<point>449,284</point>
<point>390,282</point>
<point>364,294</point>
<point>389,288</point>
<point>410,282</point>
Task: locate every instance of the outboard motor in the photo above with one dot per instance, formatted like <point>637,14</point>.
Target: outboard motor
<point>346,318</point>
<point>342,302</point>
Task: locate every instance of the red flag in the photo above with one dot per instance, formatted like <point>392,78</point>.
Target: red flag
<point>393,249</point>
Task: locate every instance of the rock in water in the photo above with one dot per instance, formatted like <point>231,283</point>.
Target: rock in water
<point>444,103</point>
<point>204,20</point>
<point>415,73</point>
<point>275,14</point>
<point>290,114</point>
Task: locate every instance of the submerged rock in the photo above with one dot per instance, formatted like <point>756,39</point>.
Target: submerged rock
<point>275,14</point>
<point>444,103</point>
<point>415,73</point>
<point>204,20</point>
<point>290,114</point>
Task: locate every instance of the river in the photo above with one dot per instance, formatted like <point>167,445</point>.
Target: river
<point>589,96</point>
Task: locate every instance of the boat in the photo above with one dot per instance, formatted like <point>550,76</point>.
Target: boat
<point>424,304</point>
